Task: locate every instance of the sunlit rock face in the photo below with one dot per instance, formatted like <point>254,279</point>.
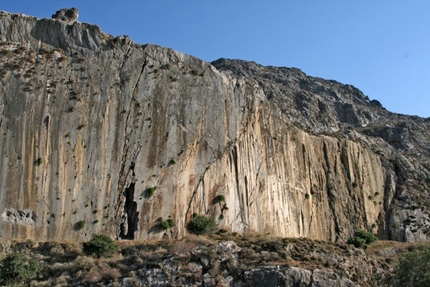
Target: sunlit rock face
<point>102,135</point>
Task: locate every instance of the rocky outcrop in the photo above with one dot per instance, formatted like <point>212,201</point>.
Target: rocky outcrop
<point>276,276</point>
<point>204,271</point>
<point>67,15</point>
<point>266,276</point>
<point>329,108</point>
<point>222,259</point>
<point>103,135</point>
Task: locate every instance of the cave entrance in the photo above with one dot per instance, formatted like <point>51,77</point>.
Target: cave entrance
<point>129,225</point>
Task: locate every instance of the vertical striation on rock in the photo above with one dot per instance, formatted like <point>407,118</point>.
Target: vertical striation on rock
<point>89,123</point>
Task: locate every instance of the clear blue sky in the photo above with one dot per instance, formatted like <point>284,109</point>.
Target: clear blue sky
<point>382,47</point>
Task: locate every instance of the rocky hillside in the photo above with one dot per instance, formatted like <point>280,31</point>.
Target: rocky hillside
<point>219,260</point>
<point>102,135</point>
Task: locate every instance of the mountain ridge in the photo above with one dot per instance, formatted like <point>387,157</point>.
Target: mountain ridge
<point>90,122</point>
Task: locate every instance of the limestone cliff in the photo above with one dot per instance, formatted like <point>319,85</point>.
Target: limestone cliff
<point>102,135</point>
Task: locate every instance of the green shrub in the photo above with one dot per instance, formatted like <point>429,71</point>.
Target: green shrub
<point>220,198</point>
<point>170,222</point>
<point>414,268</point>
<point>357,242</point>
<point>79,225</point>
<point>368,236</point>
<point>362,238</point>
<point>166,224</point>
<point>150,191</point>
<point>307,196</point>
<point>200,224</point>
<point>100,246</point>
<point>38,161</point>
<point>18,270</point>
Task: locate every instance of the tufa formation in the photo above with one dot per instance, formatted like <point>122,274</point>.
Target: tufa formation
<point>102,135</point>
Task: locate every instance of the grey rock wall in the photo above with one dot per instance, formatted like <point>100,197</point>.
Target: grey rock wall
<point>266,276</point>
<point>103,135</point>
<point>176,271</point>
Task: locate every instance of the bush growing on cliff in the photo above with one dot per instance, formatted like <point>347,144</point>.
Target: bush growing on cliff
<point>100,246</point>
<point>166,224</point>
<point>38,161</point>
<point>150,191</point>
<point>220,198</point>
<point>79,225</point>
<point>16,269</point>
<point>414,268</point>
<point>362,238</point>
<point>200,224</point>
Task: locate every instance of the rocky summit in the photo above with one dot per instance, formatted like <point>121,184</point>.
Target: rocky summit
<point>99,134</point>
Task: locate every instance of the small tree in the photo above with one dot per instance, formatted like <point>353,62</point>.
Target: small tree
<point>100,246</point>
<point>357,241</point>
<point>17,269</point>
<point>200,224</point>
<point>362,238</point>
<point>414,268</point>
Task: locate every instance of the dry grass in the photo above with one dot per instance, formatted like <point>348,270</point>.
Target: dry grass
<point>180,247</point>
<point>65,265</point>
<point>390,251</point>
<point>199,239</point>
<point>401,246</point>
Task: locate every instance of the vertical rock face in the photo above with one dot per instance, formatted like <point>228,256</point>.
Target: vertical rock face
<point>102,135</point>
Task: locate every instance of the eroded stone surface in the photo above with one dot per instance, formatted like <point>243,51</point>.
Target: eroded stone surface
<point>69,16</point>
<point>89,124</point>
<point>25,217</point>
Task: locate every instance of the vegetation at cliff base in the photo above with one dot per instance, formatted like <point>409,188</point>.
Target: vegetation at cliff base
<point>16,269</point>
<point>414,268</point>
<point>224,252</point>
<point>362,239</point>
<point>166,224</point>
<point>100,246</point>
<point>200,224</point>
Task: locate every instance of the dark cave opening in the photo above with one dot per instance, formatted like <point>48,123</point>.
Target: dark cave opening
<point>129,226</point>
